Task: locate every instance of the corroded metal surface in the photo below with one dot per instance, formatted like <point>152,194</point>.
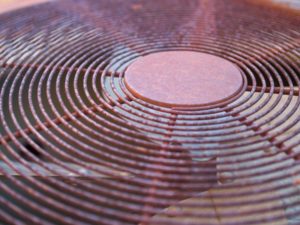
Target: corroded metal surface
<point>183,78</point>
<point>77,147</point>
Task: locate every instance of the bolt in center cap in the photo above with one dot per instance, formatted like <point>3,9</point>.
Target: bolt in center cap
<point>183,79</point>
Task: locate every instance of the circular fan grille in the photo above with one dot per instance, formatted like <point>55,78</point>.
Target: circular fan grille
<point>78,148</point>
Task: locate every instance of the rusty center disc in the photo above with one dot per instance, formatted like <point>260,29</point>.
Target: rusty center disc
<point>183,78</point>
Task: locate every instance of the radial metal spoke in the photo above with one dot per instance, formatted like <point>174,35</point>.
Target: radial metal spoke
<point>49,124</point>
<point>276,90</point>
<point>62,68</point>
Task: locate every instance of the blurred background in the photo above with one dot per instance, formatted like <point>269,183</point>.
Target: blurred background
<point>6,5</point>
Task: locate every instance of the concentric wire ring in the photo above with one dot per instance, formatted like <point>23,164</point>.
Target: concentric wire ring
<point>78,148</point>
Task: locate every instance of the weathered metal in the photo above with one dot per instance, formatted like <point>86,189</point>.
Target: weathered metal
<point>78,147</point>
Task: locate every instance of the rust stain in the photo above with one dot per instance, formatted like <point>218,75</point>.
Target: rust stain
<point>136,7</point>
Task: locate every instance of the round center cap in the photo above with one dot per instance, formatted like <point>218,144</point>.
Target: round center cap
<point>183,78</point>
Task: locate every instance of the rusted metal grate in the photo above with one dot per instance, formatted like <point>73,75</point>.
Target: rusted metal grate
<point>77,147</point>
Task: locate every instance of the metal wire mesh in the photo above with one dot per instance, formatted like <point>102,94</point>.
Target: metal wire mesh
<point>78,148</point>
